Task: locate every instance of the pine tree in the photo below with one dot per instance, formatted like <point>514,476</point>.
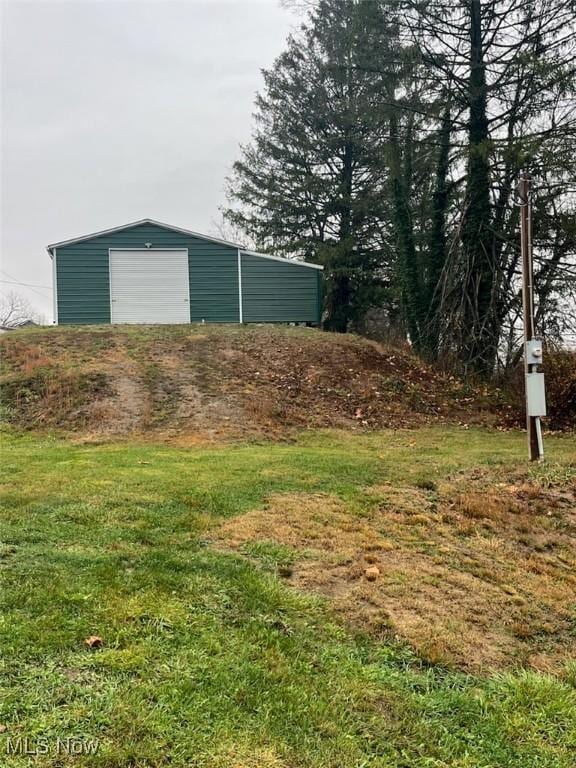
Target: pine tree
<point>312,181</point>
<point>388,143</point>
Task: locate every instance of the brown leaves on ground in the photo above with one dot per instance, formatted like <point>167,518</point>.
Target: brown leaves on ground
<point>475,576</point>
<point>224,382</point>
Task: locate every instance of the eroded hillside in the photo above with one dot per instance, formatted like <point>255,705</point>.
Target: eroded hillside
<point>213,382</point>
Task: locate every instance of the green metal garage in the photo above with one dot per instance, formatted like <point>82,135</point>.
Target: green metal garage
<point>149,272</point>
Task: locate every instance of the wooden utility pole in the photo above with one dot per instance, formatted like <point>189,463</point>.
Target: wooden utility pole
<point>535,396</point>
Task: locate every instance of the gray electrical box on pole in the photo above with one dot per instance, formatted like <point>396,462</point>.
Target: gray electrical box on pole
<point>533,352</point>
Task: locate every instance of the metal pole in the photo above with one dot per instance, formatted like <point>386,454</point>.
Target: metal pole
<point>533,426</point>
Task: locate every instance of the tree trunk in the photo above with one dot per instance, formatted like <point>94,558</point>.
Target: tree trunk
<point>339,299</point>
<point>437,252</point>
<point>479,345</point>
<point>407,260</point>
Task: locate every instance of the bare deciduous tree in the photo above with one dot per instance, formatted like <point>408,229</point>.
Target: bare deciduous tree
<point>15,310</point>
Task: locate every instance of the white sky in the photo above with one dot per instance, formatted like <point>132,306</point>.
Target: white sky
<point>117,111</point>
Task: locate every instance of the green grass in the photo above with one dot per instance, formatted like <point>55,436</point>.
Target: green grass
<point>209,659</point>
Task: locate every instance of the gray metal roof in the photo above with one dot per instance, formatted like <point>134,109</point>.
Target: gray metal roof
<point>190,232</point>
<point>73,240</point>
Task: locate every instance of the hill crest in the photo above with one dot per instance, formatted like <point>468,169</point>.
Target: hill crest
<point>224,382</point>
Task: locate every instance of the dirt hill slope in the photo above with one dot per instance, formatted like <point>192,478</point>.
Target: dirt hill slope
<point>211,382</point>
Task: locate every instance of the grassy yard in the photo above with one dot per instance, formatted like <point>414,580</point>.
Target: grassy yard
<point>209,656</point>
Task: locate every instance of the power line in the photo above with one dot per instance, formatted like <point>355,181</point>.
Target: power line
<point>28,285</point>
<point>15,281</point>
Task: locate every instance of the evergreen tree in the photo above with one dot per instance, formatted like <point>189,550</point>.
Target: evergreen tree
<point>389,140</point>
<point>312,181</point>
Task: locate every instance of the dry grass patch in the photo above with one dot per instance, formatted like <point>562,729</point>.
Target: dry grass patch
<point>478,578</point>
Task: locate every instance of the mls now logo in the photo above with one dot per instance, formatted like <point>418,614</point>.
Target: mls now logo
<point>72,745</point>
<point>76,746</point>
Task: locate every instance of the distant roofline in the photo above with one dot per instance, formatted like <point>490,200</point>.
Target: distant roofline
<point>199,235</point>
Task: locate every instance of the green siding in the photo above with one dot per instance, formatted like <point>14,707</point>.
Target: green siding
<point>214,284</point>
<point>276,292</point>
<point>83,285</point>
<point>83,282</point>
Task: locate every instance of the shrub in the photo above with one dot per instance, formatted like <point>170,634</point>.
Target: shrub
<point>560,369</point>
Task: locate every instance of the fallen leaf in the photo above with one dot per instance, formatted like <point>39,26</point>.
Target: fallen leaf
<point>372,573</point>
<point>94,641</point>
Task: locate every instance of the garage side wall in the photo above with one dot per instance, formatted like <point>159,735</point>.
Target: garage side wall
<point>82,282</point>
<point>273,292</point>
<point>83,277</point>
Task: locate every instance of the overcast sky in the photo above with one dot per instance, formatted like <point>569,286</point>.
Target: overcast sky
<point>117,111</point>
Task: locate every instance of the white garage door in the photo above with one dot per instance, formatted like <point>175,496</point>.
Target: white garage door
<point>149,286</point>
